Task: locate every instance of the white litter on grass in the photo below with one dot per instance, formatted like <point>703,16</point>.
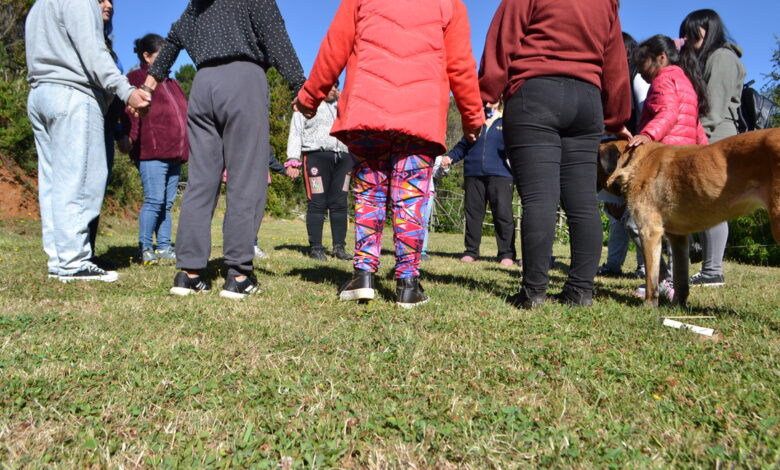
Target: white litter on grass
<point>685,326</point>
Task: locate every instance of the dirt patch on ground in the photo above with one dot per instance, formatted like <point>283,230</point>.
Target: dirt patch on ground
<point>18,192</point>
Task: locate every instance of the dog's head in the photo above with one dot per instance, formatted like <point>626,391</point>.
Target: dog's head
<point>614,168</point>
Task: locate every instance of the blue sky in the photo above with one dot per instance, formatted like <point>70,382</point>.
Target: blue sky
<point>754,24</point>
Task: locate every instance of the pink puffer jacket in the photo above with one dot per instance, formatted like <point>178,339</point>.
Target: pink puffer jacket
<point>402,57</point>
<point>671,112</point>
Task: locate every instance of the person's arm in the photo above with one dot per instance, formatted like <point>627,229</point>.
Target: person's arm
<point>334,53</point>
<point>460,150</point>
<point>615,80</point>
<point>168,55</point>
<point>506,31</point>
<point>462,70</point>
<point>80,18</point>
<point>664,102</point>
<point>133,120</point>
<point>276,43</point>
<point>701,136</point>
<point>295,138</point>
<point>724,77</point>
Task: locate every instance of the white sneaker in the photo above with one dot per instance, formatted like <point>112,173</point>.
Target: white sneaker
<point>90,272</point>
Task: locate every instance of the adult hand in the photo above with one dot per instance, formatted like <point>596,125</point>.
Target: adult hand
<point>472,134</point>
<point>446,162</point>
<point>622,134</point>
<point>292,172</point>
<point>307,112</point>
<point>139,102</point>
<point>638,140</point>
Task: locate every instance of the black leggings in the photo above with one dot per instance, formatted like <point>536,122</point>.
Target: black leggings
<point>327,184</point>
<point>552,129</point>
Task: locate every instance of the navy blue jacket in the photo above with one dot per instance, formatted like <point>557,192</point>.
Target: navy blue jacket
<point>486,156</point>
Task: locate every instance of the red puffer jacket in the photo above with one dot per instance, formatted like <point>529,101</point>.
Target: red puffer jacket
<point>402,59</point>
<point>161,134</point>
<point>671,112</point>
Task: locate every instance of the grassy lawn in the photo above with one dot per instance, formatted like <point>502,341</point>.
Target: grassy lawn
<point>124,375</point>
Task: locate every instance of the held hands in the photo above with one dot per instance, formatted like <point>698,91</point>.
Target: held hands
<point>446,162</point>
<point>139,102</point>
<point>472,134</point>
<point>292,172</point>
<point>638,140</point>
<point>307,112</point>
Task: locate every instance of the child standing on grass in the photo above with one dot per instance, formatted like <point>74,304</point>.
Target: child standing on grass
<point>402,60</point>
<point>676,99</point>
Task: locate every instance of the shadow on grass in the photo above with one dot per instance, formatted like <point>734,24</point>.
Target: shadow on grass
<point>303,249</point>
<point>336,278</point>
<point>122,256</point>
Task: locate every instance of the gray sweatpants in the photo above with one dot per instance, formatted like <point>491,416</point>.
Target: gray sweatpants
<point>228,129</point>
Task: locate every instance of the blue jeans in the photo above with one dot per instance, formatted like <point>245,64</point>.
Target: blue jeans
<point>72,171</point>
<point>160,179</point>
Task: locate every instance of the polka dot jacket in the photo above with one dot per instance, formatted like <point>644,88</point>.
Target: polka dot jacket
<point>220,31</point>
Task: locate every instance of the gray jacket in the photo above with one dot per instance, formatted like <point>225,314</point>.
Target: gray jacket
<point>725,75</point>
<point>313,135</point>
<point>65,45</point>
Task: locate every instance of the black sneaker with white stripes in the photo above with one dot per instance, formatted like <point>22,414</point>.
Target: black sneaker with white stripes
<point>90,272</point>
<point>184,285</point>
<point>234,289</point>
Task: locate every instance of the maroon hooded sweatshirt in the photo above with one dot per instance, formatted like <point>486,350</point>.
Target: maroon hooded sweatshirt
<point>161,134</point>
<point>574,38</point>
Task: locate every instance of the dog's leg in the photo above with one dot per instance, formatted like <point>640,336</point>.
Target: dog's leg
<point>680,261</point>
<point>651,248</point>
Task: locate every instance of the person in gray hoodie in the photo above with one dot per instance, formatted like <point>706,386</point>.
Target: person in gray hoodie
<point>718,60</point>
<point>73,77</point>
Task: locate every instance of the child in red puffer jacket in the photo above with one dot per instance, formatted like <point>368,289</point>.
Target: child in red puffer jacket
<point>676,99</point>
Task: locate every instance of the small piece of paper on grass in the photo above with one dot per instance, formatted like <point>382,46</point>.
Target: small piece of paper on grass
<point>685,326</point>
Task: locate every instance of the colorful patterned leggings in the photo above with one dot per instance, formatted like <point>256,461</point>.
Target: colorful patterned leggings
<point>401,166</point>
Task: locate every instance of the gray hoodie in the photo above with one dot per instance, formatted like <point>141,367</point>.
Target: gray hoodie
<point>65,45</point>
<point>725,75</point>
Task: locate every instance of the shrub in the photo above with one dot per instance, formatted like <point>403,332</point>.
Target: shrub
<point>751,241</point>
<point>16,136</point>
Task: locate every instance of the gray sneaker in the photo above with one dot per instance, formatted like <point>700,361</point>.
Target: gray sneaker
<point>168,253</point>
<point>148,257</point>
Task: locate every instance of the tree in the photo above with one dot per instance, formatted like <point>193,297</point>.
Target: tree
<point>12,16</point>
<point>772,89</point>
<point>185,75</point>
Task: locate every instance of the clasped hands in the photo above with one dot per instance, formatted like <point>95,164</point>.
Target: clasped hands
<point>139,103</point>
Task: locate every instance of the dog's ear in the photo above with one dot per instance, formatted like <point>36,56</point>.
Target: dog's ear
<point>609,158</point>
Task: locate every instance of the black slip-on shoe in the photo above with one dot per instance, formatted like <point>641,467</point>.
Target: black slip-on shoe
<point>184,285</point>
<point>237,290</point>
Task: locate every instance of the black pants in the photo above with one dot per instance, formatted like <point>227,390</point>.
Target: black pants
<point>552,129</point>
<point>498,191</point>
<point>327,184</point>
<point>228,128</point>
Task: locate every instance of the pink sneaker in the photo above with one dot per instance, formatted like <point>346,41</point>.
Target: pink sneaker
<point>507,262</point>
<point>467,259</point>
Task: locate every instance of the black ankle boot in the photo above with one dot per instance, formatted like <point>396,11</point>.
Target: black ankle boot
<point>409,293</point>
<point>318,253</point>
<point>339,252</point>
<point>526,301</point>
<point>360,287</point>
<point>575,297</point>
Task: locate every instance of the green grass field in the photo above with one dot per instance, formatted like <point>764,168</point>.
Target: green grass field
<point>126,376</point>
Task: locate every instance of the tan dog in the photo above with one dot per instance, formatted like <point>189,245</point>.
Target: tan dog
<point>680,190</point>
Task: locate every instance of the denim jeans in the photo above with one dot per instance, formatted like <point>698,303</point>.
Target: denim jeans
<point>160,179</point>
<point>72,171</point>
<point>428,211</point>
<point>552,129</point>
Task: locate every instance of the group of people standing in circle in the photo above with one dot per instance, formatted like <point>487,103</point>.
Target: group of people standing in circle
<point>553,79</point>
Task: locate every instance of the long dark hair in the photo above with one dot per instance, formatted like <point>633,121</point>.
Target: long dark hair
<point>108,28</point>
<point>715,34</point>
<point>630,44</point>
<point>660,44</point>
<point>150,44</point>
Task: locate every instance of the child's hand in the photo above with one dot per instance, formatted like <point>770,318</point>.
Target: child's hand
<point>638,140</point>
<point>622,134</point>
<point>446,162</point>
